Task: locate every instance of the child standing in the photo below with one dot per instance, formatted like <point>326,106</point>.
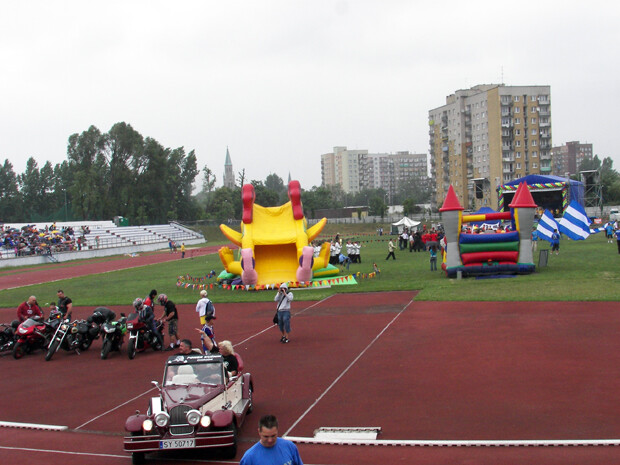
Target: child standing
<point>433,252</point>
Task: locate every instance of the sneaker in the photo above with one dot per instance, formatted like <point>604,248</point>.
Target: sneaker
<point>168,348</point>
<point>282,339</point>
<point>285,341</point>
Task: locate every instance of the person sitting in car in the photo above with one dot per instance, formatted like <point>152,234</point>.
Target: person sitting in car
<point>230,361</point>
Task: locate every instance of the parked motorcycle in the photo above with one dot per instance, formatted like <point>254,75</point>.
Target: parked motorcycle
<point>113,336</point>
<point>140,335</point>
<point>35,333</point>
<point>7,336</point>
<point>75,336</point>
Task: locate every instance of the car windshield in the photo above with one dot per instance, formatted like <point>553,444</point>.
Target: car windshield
<point>195,373</point>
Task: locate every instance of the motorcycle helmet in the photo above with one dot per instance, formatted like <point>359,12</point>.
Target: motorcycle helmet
<point>138,303</point>
<point>162,299</point>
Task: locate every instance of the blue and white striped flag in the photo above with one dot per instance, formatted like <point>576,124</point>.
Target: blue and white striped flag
<point>546,226</point>
<point>575,222</point>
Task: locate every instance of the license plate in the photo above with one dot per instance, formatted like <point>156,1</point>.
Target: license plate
<point>177,443</point>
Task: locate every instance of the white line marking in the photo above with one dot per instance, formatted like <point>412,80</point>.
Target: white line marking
<point>52,451</point>
<point>462,443</point>
<point>272,326</point>
<point>347,369</point>
<point>114,408</point>
<point>13,424</point>
<point>239,343</point>
<point>93,454</point>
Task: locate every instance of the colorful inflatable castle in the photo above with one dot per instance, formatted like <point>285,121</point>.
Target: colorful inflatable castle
<point>489,253</point>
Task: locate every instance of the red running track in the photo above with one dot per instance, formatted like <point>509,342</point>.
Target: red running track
<point>10,278</point>
<point>419,370</point>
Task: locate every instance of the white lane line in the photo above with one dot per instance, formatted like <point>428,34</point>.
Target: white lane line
<point>347,369</point>
<point>115,408</point>
<point>272,326</point>
<point>94,454</point>
<point>239,343</point>
<point>13,424</point>
<point>462,443</point>
<point>53,451</point>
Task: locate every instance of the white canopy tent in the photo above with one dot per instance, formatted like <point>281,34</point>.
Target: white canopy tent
<point>405,222</point>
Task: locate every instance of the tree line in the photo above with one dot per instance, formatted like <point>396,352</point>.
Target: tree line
<point>118,173</point>
<point>122,173</point>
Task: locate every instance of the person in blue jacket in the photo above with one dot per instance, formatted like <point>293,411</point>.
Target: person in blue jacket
<point>555,242</point>
<point>271,450</point>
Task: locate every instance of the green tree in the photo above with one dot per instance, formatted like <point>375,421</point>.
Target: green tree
<point>222,207</point>
<point>275,183</point>
<point>241,177</point>
<point>186,205</point>
<point>124,149</point>
<point>153,182</point>
<point>46,189</point>
<point>10,197</point>
<point>378,206</point>
<point>264,196</point>
<point>608,176</point>
<point>63,179</point>
<point>83,150</point>
<point>29,182</point>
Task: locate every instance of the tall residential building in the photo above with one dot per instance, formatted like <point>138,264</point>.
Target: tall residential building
<point>342,167</point>
<point>567,158</point>
<point>356,170</point>
<point>229,175</point>
<point>486,136</point>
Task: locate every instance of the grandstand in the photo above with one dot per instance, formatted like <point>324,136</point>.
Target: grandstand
<point>105,238</point>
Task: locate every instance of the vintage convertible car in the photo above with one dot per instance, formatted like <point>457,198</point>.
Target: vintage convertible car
<point>198,406</point>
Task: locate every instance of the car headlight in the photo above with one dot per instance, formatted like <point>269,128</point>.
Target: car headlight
<point>193,417</point>
<point>109,329</point>
<point>74,329</point>
<point>63,327</point>
<point>162,419</point>
<point>147,425</point>
<point>205,421</point>
<point>129,325</point>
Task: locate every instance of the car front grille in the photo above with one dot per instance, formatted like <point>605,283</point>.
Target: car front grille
<point>178,420</point>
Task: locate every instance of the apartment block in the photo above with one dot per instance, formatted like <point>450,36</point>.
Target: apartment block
<point>486,136</point>
<point>356,170</point>
<point>567,158</point>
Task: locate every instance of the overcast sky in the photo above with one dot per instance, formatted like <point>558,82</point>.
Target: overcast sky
<point>282,82</point>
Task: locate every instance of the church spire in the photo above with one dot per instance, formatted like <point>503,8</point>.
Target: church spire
<point>229,177</point>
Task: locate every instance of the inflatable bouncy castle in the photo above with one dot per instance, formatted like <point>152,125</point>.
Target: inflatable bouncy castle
<point>489,253</point>
<point>274,242</point>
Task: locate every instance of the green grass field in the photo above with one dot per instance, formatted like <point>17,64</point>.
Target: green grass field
<point>584,271</point>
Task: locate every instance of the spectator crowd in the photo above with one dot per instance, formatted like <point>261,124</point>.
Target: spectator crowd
<point>29,240</point>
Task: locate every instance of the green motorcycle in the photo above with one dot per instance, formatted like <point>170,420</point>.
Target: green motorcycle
<point>113,336</point>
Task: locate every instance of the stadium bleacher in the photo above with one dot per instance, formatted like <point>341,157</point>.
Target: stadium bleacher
<point>105,235</point>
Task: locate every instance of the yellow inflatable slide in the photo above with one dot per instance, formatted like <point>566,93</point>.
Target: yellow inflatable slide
<point>274,241</point>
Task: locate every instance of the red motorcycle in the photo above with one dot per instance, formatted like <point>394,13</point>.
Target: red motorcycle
<point>35,333</point>
<point>140,335</point>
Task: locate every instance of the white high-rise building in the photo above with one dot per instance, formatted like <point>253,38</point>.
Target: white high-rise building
<point>356,170</point>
